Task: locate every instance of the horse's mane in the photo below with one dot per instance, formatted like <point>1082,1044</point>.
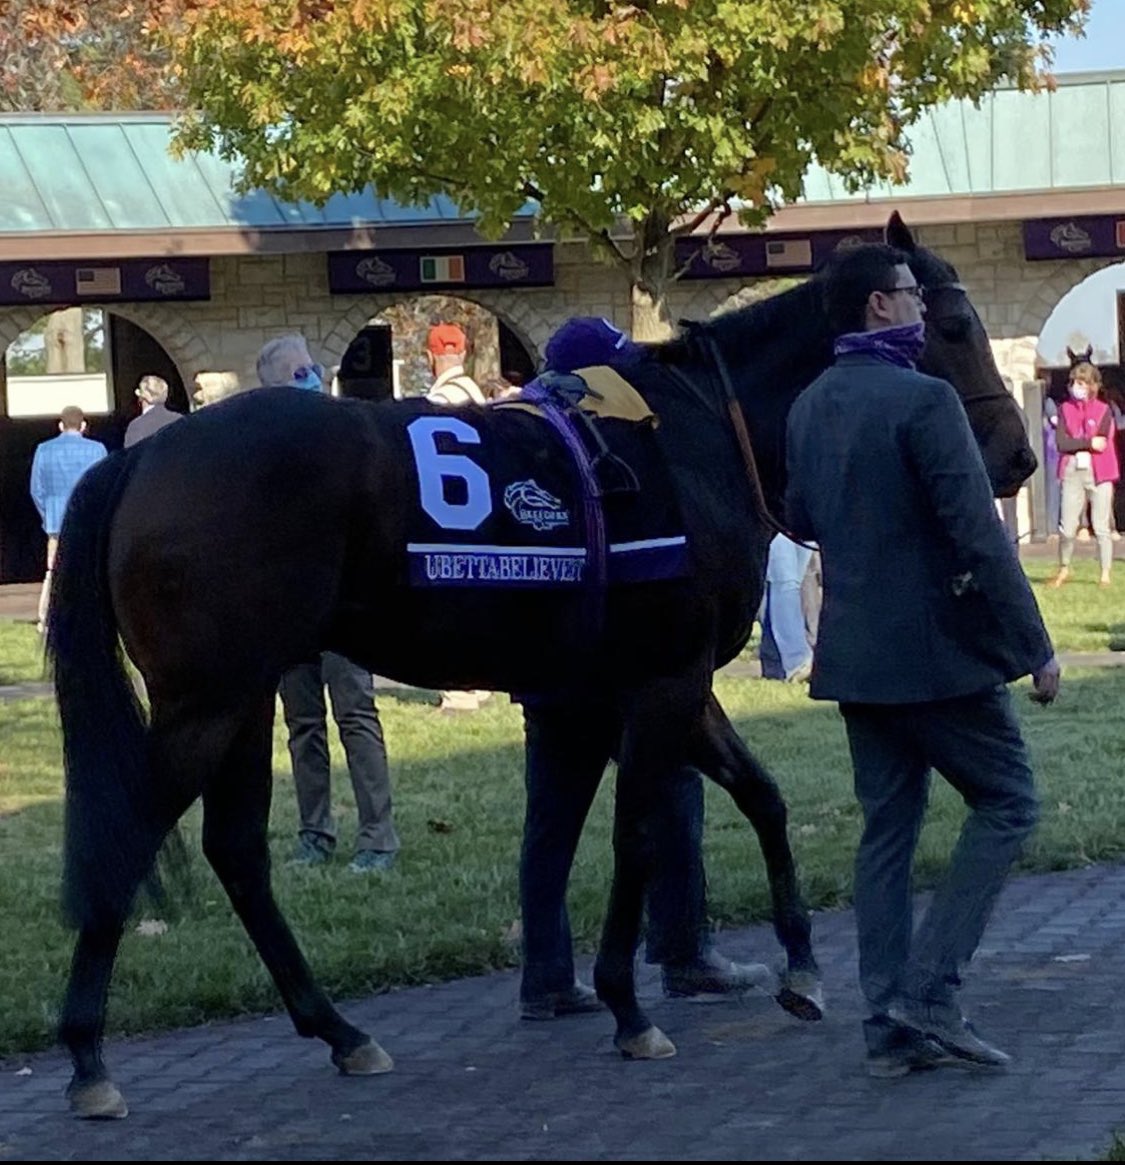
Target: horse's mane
<point>758,321</point>
<point>795,314</point>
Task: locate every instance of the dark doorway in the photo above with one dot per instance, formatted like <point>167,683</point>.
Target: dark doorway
<point>515,363</point>
<point>133,354</point>
<point>367,369</point>
<point>130,353</point>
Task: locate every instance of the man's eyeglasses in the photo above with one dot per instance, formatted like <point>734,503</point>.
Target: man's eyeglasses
<point>917,292</point>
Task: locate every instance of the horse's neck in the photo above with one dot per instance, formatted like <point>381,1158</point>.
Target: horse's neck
<point>772,351</point>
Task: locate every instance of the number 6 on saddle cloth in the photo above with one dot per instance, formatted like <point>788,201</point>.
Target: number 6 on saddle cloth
<point>523,518</point>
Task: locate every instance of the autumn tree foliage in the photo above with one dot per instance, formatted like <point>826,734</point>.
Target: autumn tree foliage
<point>86,55</point>
<point>628,123</point>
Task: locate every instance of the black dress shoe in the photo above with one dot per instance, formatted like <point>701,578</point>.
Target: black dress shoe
<point>575,1000</point>
<point>715,974</point>
<point>894,1050</point>
<point>945,1025</point>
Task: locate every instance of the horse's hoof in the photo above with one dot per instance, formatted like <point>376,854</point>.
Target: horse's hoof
<point>651,1044</point>
<point>802,995</point>
<point>367,1060</point>
<point>100,1101</point>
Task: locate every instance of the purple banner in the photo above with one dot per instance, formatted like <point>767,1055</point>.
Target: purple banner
<point>104,281</point>
<point>1088,237</point>
<point>735,256</point>
<point>441,268</point>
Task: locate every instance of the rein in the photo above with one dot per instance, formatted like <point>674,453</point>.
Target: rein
<point>742,436</point>
<point>742,433</point>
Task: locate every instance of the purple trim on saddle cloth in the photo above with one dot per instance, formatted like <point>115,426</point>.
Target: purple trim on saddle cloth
<point>593,524</point>
<point>443,564</point>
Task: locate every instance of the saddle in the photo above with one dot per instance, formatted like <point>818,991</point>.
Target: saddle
<point>586,397</point>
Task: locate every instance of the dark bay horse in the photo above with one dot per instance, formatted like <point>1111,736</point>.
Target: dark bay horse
<point>275,525</point>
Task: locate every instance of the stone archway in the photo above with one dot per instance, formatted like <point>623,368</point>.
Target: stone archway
<point>529,326</point>
<point>1015,347</point>
<point>172,332</point>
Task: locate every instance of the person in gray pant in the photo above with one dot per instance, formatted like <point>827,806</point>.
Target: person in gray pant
<point>927,616</point>
<point>352,692</point>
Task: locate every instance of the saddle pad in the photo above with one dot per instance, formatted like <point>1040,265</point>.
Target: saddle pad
<point>497,501</point>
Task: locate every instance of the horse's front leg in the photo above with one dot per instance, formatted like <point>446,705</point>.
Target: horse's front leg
<point>658,723</point>
<point>236,805</point>
<point>723,756</point>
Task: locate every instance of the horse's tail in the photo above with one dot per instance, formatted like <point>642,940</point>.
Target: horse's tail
<point>110,839</point>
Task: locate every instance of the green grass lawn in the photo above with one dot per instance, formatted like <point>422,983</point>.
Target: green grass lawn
<point>21,653</point>
<point>1081,615</point>
<point>450,905</point>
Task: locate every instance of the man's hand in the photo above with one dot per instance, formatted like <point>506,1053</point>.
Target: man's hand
<point>1098,444</point>
<point>1046,681</point>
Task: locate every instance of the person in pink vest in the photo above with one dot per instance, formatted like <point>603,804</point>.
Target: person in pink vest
<point>1087,468</point>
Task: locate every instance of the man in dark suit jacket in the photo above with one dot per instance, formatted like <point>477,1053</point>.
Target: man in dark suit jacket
<point>152,392</point>
<point>927,616</point>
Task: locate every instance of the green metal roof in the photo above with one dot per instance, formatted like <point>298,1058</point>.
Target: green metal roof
<point>90,173</point>
<point>1071,138</point>
<point>113,172</point>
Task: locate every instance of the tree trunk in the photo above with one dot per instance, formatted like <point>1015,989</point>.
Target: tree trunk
<point>652,273</point>
<point>65,345</point>
<point>651,322</point>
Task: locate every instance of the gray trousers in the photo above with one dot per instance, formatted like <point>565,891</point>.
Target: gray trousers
<point>974,742</point>
<point>1078,487</point>
<point>352,692</point>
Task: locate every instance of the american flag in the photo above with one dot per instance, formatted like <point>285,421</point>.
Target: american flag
<point>788,253</point>
<point>97,281</point>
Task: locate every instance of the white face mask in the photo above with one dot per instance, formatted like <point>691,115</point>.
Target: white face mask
<point>1079,391</point>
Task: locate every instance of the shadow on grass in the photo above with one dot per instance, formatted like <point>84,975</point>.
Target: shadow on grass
<point>449,907</point>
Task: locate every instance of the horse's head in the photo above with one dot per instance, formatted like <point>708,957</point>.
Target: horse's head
<point>957,350</point>
<point>1077,358</point>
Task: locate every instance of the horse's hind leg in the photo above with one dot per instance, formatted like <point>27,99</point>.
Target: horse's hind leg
<point>236,805</point>
<point>724,757</point>
<point>129,853</point>
<point>658,726</point>
<point>91,1093</point>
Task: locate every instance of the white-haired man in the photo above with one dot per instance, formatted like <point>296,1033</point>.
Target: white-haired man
<point>287,361</point>
<point>152,392</point>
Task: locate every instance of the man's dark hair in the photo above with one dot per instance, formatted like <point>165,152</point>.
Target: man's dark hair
<point>850,276</point>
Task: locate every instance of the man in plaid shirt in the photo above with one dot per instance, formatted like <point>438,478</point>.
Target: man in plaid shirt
<point>55,470</point>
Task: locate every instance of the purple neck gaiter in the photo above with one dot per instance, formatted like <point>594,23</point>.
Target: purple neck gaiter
<point>901,344</point>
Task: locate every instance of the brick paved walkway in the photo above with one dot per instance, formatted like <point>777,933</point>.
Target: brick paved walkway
<point>472,1082</point>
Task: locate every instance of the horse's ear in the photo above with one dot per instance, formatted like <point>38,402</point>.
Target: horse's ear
<point>897,233</point>
<point>1088,356</point>
<point>1071,356</point>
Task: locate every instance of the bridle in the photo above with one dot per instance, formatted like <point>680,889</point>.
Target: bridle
<point>980,397</point>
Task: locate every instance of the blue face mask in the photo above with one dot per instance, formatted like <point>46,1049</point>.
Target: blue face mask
<point>309,376</point>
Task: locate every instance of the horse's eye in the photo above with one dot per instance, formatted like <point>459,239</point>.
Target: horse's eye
<point>952,329</point>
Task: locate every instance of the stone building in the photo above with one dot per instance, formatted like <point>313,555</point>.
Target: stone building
<point>176,274</point>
